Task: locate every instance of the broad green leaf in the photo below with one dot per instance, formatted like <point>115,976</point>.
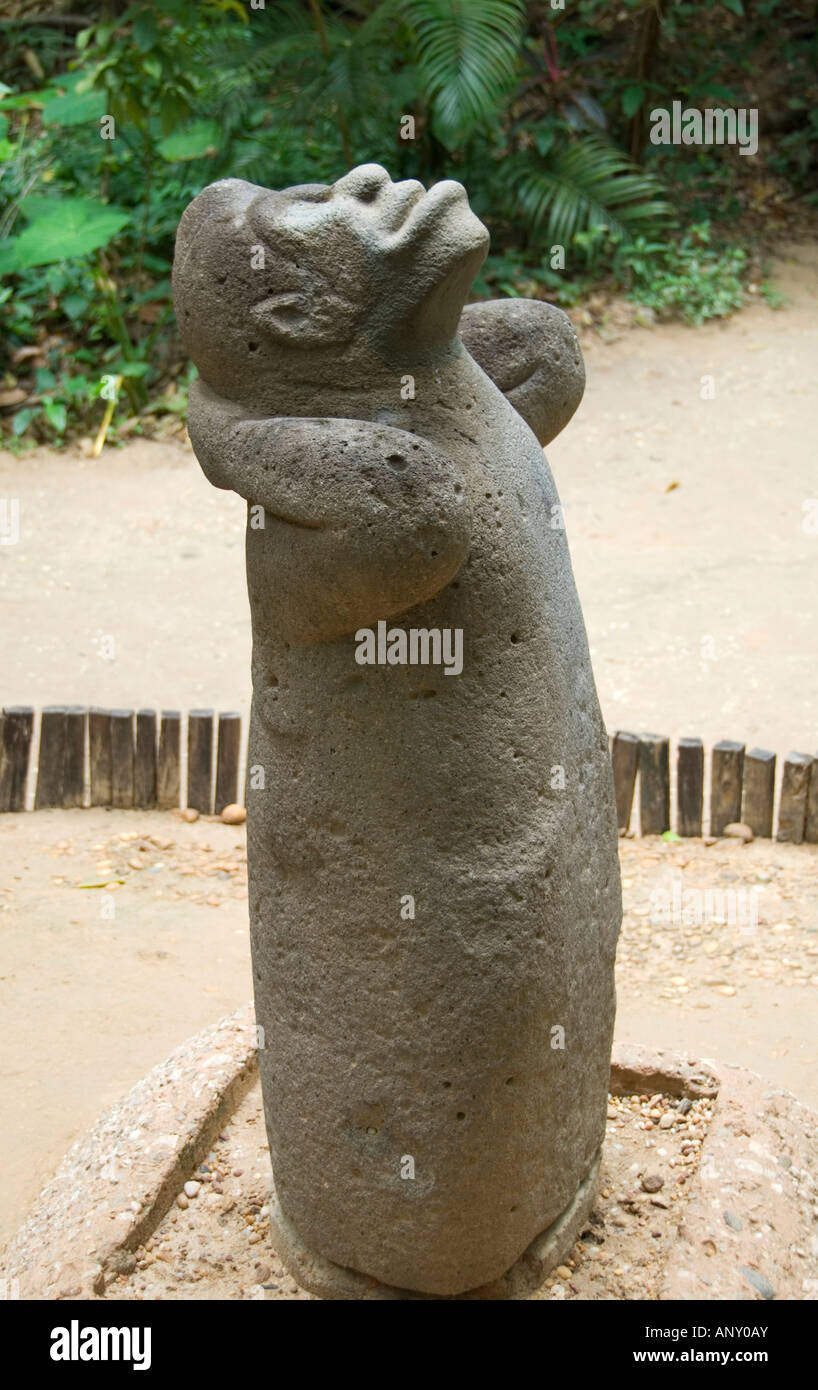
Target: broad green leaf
<point>74,305</point>
<point>192,142</point>
<point>75,227</point>
<point>36,205</point>
<point>71,109</point>
<point>56,415</point>
<point>21,421</point>
<point>24,99</point>
<point>734,5</point>
<point>75,385</point>
<point>104,32</point>
<point>145,31</point>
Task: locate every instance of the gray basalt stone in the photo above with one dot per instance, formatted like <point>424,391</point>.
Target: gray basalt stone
<point>434,882</point>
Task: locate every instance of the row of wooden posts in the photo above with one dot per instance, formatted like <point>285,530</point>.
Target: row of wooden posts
<point>742,788</point>
<point>134,759</point>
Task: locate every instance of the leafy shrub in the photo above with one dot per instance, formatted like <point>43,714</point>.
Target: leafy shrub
<point>541,112</point>
<point>690,278</point>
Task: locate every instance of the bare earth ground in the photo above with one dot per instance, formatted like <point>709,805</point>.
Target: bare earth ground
<point>700,604</point>
<point>216,1243</point>
<point>100,982</point>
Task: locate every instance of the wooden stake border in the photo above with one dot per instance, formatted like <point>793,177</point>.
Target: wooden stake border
<point>126,758</point>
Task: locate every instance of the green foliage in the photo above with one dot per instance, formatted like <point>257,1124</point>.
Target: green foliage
<point>690,278</point>
<point>542,113</point>
<point>585,185</point>
<point>193,141</point>
<point>60,230</point>
<point>466,53</point>
<point>144,63</point>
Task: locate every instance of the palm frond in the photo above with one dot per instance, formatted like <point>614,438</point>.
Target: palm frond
<point>467,53</point>
<point>589,183</point>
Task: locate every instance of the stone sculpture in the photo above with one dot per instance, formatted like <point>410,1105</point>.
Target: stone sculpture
<point>434,882</point>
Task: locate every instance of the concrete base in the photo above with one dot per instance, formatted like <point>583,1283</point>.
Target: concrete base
<point>331,1281</point>
<point>738,1229</point>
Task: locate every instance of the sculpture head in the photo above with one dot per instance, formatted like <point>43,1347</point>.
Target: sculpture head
<point>319,275</point>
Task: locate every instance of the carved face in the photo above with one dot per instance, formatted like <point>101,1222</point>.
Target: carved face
<point>260,275</point>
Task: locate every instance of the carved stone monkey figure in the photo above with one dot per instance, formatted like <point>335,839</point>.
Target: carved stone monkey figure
<point>387,438</point>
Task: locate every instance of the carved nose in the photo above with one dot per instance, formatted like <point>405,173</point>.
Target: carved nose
<point>364,183</point>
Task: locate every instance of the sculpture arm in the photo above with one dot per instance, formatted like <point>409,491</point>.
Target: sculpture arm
<point>530,350</point>
<point>361,521</point>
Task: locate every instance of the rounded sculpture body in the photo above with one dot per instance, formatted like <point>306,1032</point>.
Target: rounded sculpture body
<point>434,884</point>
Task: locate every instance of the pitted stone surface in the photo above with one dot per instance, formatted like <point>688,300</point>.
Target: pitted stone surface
<point>743,1222</point>
<point>389,479</point>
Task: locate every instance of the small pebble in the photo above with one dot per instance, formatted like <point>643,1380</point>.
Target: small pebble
<point>652,1182</point>
<point>563,1271</point>
<point>759,1283</point>
<point>733,1221</point>
<point>234,814</point>
<point>737,830</point>
<point>192,1189</point>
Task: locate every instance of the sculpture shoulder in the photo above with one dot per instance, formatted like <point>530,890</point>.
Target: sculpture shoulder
<point>530,351</point>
